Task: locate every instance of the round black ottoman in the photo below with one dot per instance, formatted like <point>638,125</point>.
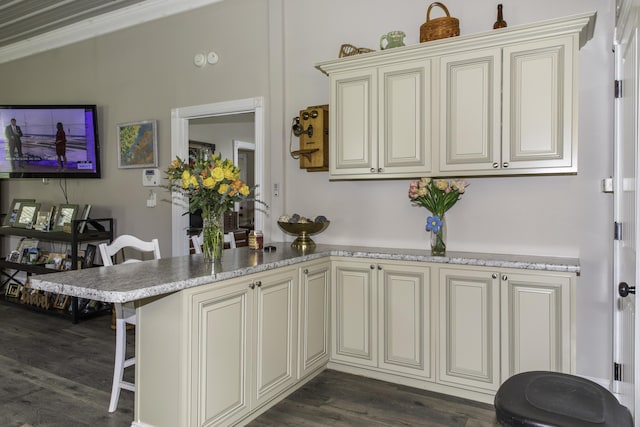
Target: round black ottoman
<point>550,399</point>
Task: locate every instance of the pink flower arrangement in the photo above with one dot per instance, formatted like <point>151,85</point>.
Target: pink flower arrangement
<point>437,195</point>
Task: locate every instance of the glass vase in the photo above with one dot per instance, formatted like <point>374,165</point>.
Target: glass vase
<point>438,243</point>
<point>212,235</point>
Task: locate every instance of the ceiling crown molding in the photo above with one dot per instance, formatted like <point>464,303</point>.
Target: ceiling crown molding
<point>130,16</point>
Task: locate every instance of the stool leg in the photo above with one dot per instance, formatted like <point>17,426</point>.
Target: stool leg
<point>118,367</point>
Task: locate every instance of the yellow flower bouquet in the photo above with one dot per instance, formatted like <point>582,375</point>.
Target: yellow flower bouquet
<point>212,185</point>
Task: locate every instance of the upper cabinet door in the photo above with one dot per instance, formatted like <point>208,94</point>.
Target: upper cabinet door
<point>540,106</point>
<point>470,87</point>
<point>404,118</point>
<point>353,130</point>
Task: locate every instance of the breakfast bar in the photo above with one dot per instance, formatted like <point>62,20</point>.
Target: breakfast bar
<point>218,344</point>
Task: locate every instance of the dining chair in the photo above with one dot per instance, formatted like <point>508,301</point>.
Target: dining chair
<point>196,242</point>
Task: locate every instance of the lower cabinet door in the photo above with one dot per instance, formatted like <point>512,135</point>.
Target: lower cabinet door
<point>536,323</point>
<point>404,319</point>
<point>313,333</point>
<point>353,313</point>
<point>469,329</point>
<point>275,329</point>
<point>220,340</point>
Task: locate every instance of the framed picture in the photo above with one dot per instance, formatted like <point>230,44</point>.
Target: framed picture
<point>26,215</point>
<point>84,215</point>
<point>89,256</point>
<point>61,301</point>
<point>64,214</point>
<point>14,256</point>
<point>138,144</point>
<point>13,290</point>
<point>43,220</point>
<point>14,207</point>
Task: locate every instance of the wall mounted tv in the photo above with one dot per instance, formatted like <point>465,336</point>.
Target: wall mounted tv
<point>38,157</point>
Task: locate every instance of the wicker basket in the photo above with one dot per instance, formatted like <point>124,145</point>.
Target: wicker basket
<point>439,28</point>
<point>350,50</point>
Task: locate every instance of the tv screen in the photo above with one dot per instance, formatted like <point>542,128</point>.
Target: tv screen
<point>29,148</point>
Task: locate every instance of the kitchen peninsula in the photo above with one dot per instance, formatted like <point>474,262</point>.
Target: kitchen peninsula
<point>220,347</point>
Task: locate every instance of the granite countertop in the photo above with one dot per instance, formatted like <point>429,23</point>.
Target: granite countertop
<point>134,281</point>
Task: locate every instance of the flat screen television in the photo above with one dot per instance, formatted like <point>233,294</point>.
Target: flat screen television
<point>36,155</point>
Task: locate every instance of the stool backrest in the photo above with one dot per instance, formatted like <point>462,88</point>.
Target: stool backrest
<point>196,241</point>
<point>126,241</point>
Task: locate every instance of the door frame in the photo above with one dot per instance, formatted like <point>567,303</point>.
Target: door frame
<point>627,389</point>
<point>180,147</point>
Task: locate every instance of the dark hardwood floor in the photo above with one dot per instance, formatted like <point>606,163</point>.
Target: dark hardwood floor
<point>57,374</point>
<point>337,399</point>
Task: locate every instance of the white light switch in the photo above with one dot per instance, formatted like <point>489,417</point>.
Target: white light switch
<point>151,201</point>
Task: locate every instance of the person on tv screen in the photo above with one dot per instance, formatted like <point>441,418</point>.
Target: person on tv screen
<point>61,146</point>
<point>13,136</point>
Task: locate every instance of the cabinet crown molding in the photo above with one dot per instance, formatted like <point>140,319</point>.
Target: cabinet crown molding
<point>582,26</point>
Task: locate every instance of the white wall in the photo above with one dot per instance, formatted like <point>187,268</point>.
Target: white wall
<point>269,48</point>
<point>546,215</point>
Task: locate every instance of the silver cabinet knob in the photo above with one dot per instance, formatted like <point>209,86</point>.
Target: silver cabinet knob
<point>505,164</point>
<point>306,271</point>
<point>504,277</point>
<point>380,170</point>
<point>373,170</point>
<point>495,165</point>
<point>494,276</point>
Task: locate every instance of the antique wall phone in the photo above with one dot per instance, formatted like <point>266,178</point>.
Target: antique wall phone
<point>312,127</point>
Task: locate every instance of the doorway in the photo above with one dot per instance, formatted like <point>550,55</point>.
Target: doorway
<point>180,124</point>
<point>244,158</point>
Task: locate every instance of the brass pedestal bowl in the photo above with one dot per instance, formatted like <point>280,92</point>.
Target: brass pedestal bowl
<point>303,230</point>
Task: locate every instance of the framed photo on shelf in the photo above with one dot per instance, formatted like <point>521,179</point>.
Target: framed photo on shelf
<point>43,220</point>
<point>61,301</point>
<point>27,215</point>
<point>89,256</point>
<point>13,290</point>
<point>14,256</point>
<point>84,216</point>
<point>64,215</point>
<point>14,208</point>
<point>138,144</point>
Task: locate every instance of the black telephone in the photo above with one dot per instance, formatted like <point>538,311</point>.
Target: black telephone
<point>298,129</point>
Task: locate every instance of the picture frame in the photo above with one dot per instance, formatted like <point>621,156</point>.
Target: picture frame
<point>84,216</point>
<point>14,256</point>
<point>61,301</point>
<point>13,290</point>
<point>43,221</point>
<point>89,255</point>
<point>65,214</point>
<point>26,215</point>
<point>137,144</point>
<point>14,207</point>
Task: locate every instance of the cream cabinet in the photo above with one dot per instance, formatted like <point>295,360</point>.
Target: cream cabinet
<point>381,316</point>
<point>275,327</point>
<point>484,104</point>
<point>509,110</point>
<point>231,346</point>
<point>538,331</point>
<point>469,345</point>
<point>314,320</point>
<point>220,375</point>
<point>497,323</point>
<point>381,121</point>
